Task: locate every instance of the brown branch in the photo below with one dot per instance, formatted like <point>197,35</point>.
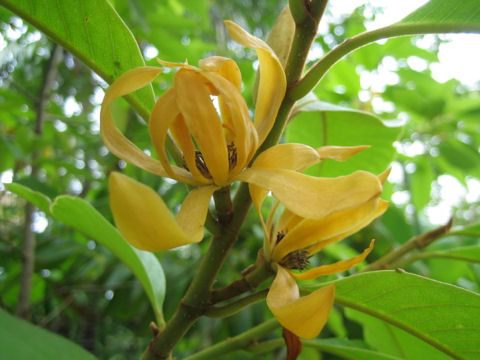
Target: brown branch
<point>28,250</point>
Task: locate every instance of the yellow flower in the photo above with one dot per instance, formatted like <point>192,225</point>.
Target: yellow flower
<point>216,147</point>
<point>294,239</point>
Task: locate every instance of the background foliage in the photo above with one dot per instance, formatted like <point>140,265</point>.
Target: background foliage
<point>81,291</point>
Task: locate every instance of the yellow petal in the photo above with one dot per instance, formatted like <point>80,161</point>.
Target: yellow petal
<point>114,140</point>
<point>193,99</point>
<point>223,66</point>
<point>272,85</point>
<point>191,216</point>
<point>298,157</point>
<point>164,113</point>
<point>142,217</point>
<point>310,232</point>
<point>304,316</point>
<point>382,206</point>
<point>236,119</point>
<point>384,175</point>
<point>313,197</point>
<point>183,65</point>
<point>181,134</point>
<point>337,267</point>
<point>340,153</point>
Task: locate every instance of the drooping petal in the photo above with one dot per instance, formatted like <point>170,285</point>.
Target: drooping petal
<point>272,84</point>
<point>310,232</point>
<point>337,267</point>
<point>142,217</point>
<point>191,216</point>
<point>304,316</point>
<point>382,206</point>
<point>193,99</point>
<point>113,139</point>
<point>313,197</point>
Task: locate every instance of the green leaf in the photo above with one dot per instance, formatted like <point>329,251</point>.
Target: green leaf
<point>36,198</point>
<point>21,340</point>
<point>442,315</point>
<point>465,253</point>
<point>389,339</point>
<point>347,349</point>
<point>437,16</point>
<point>463,13</point>
<point>320,123</point>
<point>93,32</point>
<point>83,217</point>
<point>473,230</point>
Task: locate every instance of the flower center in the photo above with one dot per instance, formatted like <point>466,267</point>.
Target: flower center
<point>202,165</point>
<point>298,260</point>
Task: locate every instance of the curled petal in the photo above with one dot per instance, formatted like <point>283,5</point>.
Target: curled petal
<point>304,316</point>
<point>313,197</point>
<point>337,267</point>
<point>223,66</point>
<point>310,232</point>
<point>164,113</point>
<point>114,140</point>
<point>272,85</point>
<point>142,217</point>
<point>193,99</point>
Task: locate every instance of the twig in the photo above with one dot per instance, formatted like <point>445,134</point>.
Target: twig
<point>416,243</point>
<point>238,342</point>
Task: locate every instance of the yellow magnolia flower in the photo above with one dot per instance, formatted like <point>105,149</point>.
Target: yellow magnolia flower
<point>217,149</point>
<point>291,241</point>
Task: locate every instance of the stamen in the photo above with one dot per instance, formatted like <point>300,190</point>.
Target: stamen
<point>202,165</point>
<point>232,155</point>
<point>280,236</point>
<point>298,260</point>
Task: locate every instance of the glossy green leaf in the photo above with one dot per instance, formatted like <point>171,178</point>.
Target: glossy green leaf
<point>442,315</point>
<point>319,123</point>
<point>21,340</point>
<point>83,217</point>
<point>347,349</point>
<point>389,339</point>
<point>92,31</point>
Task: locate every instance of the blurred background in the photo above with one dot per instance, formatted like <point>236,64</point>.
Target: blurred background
<point>424,88</point>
